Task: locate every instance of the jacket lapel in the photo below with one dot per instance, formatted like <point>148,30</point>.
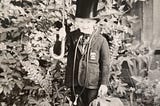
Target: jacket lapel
<point>93,42</point>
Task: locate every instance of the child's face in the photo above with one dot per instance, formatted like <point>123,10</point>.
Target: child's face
<point>85,25</point>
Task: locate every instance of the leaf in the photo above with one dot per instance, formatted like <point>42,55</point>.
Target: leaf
<point>1,89</point>
<point>66,104</point>
<point>121,89</point>
<point>133,19</point>
<point>3,46</point>
<point>69,100</point>
<point>11,85</point>
<point>31,87</point>
<point>4,74</point>
<point>32,101</point>
<point>19,84</point>
<point>6,2</point>
<point>14,104</point>
<point>9,56</point>
<point>36,62</point>
<point>3,30</point>
<point>57,75</point>
<point>139,79</point>
<point>17,75</point>
<point>118,73</point>
<point>45,103</point>
<point>6,90</point>
<point>58,14</point>
<point>60,95</point>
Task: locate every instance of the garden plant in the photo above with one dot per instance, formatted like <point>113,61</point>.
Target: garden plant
<point>31,76</point>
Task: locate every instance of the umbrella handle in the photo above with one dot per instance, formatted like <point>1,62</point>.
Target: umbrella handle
<point>55,56</point>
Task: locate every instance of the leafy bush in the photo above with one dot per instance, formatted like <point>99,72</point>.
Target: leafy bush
<point>29,75</point>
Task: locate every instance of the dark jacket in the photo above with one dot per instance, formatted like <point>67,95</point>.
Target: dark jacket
<point>98,62</point>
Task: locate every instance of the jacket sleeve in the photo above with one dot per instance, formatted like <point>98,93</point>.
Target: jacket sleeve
<point>104,62</point>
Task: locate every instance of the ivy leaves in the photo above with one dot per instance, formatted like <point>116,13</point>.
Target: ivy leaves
<point>10,77</point>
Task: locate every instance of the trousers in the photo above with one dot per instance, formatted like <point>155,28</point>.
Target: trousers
<point>85,95</point>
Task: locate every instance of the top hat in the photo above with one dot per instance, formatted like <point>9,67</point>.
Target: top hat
<point>86,9</point>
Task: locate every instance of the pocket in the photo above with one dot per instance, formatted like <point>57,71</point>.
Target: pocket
<point>93,74</point>
<point>82,73</point>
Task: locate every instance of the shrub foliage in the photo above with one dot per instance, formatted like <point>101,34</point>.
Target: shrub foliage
<point>29,75</point>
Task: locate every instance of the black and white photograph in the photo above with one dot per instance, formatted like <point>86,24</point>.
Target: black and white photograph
<point>79,53</point>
